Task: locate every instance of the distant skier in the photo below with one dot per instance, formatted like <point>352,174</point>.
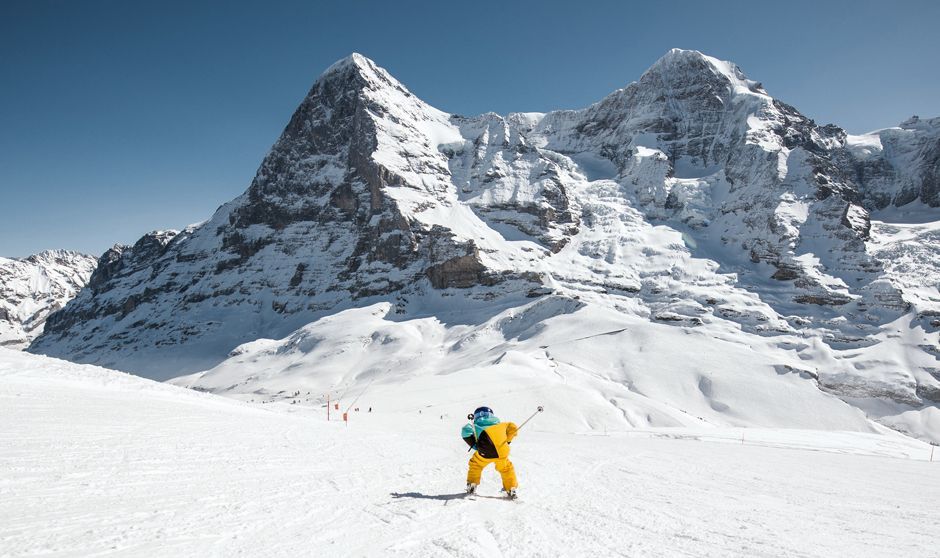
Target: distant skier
<point>491,439</point>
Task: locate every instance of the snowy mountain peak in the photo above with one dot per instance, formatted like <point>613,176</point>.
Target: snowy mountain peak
<point>354,61</point>
<point>681,57</point>
<point>34,287</point>
<point>684,68</point>
<point>356,72</point>
<point>689,198</point>
<point>56,256</point>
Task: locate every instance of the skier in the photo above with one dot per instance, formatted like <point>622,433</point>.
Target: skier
<point>491,439</point>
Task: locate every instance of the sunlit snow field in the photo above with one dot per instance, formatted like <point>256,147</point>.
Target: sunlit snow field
<point>101,463</point>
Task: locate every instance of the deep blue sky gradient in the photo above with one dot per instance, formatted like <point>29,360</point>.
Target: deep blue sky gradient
<point>119,117</point>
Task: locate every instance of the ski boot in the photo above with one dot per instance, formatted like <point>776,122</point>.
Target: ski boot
<point>511,493</point>
<point>471,488</point>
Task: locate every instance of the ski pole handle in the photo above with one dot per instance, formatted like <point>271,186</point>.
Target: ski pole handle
<point>474,430</point>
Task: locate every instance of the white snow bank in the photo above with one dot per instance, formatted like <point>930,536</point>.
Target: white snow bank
<point>600,368</point>
<point>96,462</point>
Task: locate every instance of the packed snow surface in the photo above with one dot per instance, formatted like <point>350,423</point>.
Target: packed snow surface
<point>97,462</point>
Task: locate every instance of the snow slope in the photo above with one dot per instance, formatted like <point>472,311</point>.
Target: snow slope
<point>599,368</point>
<point>608,368</point>
<point>97,462</point>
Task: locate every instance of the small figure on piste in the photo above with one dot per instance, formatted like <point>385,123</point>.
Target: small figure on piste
<point>490,438</point>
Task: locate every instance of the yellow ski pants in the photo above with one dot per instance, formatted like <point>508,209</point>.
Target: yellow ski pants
<point>503,466</point>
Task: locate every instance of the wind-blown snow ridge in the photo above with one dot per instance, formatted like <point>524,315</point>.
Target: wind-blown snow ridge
<point>690,197</point>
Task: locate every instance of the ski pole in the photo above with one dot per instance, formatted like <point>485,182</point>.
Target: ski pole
<point>532,416</point>
<point>474,430</point>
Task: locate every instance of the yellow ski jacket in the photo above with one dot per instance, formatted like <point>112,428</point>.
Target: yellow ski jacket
<point>490,437</point>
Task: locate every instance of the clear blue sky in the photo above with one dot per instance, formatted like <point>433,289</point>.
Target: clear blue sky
<point>119,117</point>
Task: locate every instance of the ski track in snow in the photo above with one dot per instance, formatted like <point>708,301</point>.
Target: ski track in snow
<point>97,463</point>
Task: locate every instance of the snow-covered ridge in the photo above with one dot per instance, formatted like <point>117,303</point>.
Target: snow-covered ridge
<point>690,197</point>
<point>34,287</point>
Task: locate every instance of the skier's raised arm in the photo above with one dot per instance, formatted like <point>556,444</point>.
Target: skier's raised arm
<point>511,430</point>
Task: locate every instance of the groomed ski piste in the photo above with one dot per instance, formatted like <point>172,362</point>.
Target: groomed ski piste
<point>101,463</point>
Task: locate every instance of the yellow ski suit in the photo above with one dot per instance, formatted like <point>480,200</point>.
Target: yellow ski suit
<point>492,445</point>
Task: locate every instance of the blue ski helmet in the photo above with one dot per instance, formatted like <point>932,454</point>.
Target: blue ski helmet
<point>482,412</point>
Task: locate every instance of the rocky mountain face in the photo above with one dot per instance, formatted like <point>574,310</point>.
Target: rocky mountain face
<point>695,142</point>
<point>897,166</point>
<point>32,288</point>
<point>353,201</point>
<point>690,198</point>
